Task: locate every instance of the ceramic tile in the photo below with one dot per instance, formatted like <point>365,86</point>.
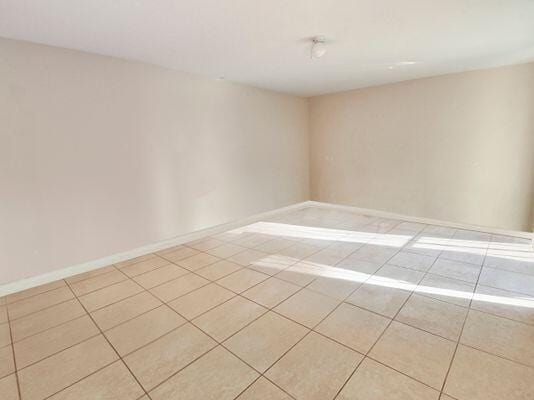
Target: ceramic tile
<point>167,355</point>
<point>134,260</point>
<point>336,287</point>
<point>178,287</point>
<point>143,329</point>
<point>226,319</point>
<point>271,292</point>
<point>201,300</point>
<point>429,364</point>
<point>263,389</point>
<point>55,373</point>
<point>38,302</point>
<point>226,250</point>
<point>265,340</point>
<point>24,294</point>
<point>205,244</point>
<point>144,266</point>
<point>373,381</point>
<point>197,261</point>
<point>514,282</point>
<point>315,369</point>
<point>476,375</point>
<point>7,365</point>
<point>242,280</point>
<point>112,382</point>
<point>110,294</point>
<point>218,270</point>
<point>46,343</point>
<point>223,377</point>
<point>300,274</point>
<point>375,253</point>
<point>499,336</point>
<point>126,309</point>
<point>90,274</point>
<point>446,289</point>
<point>3,314</point>
<point>379,299</point>
<point>8,388</point>
<point>97,282</point>
<point>504,303</point>
<point>178,253</point>
<point>520,261</point>
<point>354,327</point>
<point>5,334</point>
<point>247,257</point>
<point>419,262</point>
<point>455,270</point>
<point>159,276</point>
<point>434,316</point>
<point>307,307</point>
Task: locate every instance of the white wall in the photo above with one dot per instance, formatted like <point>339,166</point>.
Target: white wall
<point>101,155</point>
<point>457,148</point>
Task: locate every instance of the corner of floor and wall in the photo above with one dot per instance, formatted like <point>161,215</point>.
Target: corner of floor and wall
<point>99,155</point>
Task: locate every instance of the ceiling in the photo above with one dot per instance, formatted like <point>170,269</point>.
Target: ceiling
<point>265,43</point>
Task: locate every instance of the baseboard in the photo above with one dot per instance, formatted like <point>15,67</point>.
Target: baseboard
<point>409,218</point>
<point>62,273</point>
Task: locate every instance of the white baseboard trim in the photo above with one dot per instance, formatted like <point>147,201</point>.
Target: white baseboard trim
<point>428,221</point>
<point>63,273</point>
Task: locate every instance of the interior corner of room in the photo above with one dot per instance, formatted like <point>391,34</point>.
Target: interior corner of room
<point>102,157</point>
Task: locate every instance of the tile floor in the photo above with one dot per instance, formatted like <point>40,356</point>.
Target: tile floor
<point>313,304</point>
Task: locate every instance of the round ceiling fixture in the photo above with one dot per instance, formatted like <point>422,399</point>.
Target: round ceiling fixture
<point>318,48</point>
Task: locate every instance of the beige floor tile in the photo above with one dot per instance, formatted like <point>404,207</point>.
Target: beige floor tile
<point>205,244</point>
<point>375,253</point>
<point>143,329</point>
<point>90,274</point>
<point>134,260</point>
<point>374,381</point>
<point>253,239</point>
<point>97,282</point>
<point>272,264</point>
<point>229,317</point>
<point>222,377</point>
<point>265,340</point>
<point>391,275</point>
<point>512,281</point>
<point>476,375</point>
<point>446,289</point>
<point>504,303</point>
<point>271,292</point>
<point>46,343</point>
<point>112,382</point>
<point>353,264</point>
<point>324,258</point>
<point>126,309</point>
<point>8,388</point>
<point>499,336</point>
<point>110,294</point>
<point>300,274</point>
<point>337,288</point>
<point>299,251</point>
<point>55,373</point>
<point>435,316</point>
<point>316,368</point>
<point>242,280</point>
<point>263,389</point>
<point>197,261</point>
<point>226,250</point>
<point>418,354</point>
<point>167,355</point>
<point>247,257</point>
<point>456,270</point>
<point>201,300</point>
<point>418,262</point>
<point>160,276</point>
<point>144,266</point>
<point>7,365</point>
<point>471,254</point>
<point>354,327</point>
<point>307,307</point>
<point>178,253</point>
<point>24,294</point>
<point>383,300</point>
<point>38,302</point>
<point>178,287</point>
<point>3,314</point>
<point>275,245</point>
<point>218,270</point>
<point>522,262</point>
<point>5,334</point>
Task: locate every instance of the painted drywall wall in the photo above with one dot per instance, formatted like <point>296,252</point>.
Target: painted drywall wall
<point>101,155</point>
<point>458,148</point>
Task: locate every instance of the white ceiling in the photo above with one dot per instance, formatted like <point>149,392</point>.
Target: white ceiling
<point>263,42</point>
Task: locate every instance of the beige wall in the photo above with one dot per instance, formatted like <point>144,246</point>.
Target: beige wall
<point>100,155</point>
<point>457,148</point>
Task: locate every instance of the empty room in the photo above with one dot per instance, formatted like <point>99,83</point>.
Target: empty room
<point>279,200</point>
